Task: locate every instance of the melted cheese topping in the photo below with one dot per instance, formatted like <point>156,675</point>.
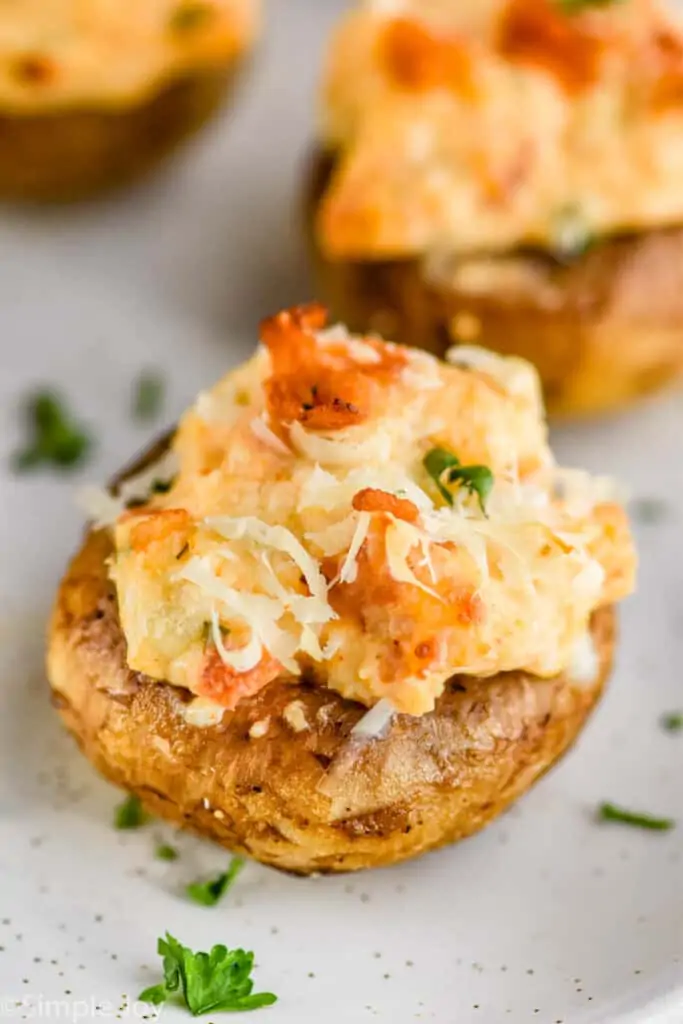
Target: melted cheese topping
<point>465,125</point>
<point>55,54</point>
<point>319,543</point>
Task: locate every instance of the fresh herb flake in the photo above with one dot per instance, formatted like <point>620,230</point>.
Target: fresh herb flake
<point>610,812</point>
<point>571,233</point>
<point>189,16</point>
<point>209,893</point>
<point>55,437</point>
<point>672,721</point>
<point>445,468</point>
<point>148,396</point>
<point>130,814</point>
<point>213,982</point>
<point>648,511</point>
<point>576,6</point>
<point>436,462</point>
<point>165,851</point>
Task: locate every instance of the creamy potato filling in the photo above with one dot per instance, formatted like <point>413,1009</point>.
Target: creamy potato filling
<point>60,53</point>
<point>367,515</point>
<point>470,126</point>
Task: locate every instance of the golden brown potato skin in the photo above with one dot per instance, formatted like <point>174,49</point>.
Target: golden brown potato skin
<point>313,800</point>
<point>74,154</point>
<point>602,330</point>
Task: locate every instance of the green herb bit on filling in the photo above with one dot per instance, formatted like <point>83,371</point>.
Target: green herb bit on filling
<point>56,437</point>
<point>189,16</point>
<point>571,235</point>
<point>210,892</point>
<point>610,812</point>
<point>672,721</point>
<point>148,397</point>
<point>445,468</point>
<point>213,982</point>
<point>130,814</point>
<point>576,6</point>
<point>165,851</point>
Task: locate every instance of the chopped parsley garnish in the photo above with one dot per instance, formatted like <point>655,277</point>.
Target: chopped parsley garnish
<point>165,851</point>
<point>445,468</point>
<point>576,6</point>
<point>148,396</point>
<point>210,892</point>
<point>162,486</point>
<point>190,15</point>
<point>672,721</point>
<point>55,437</point>
<point>213,982</point>
<point>648,510</point>
<point>610,812</point>
<point>571,236</point>
<point>130,813</point>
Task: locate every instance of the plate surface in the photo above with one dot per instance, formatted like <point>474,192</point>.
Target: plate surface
<point>547,916</point>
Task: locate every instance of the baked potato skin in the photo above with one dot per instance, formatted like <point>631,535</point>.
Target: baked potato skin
<point>603,330</point>
<point>70,155</point>
<point>311,800</point>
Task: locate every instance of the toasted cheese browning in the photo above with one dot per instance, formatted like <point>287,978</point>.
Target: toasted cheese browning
<point>486,124</point>
<point>306,529</point>
<point>57,54</point>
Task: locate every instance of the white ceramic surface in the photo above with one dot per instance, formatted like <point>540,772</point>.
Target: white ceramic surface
<point>546,917</point>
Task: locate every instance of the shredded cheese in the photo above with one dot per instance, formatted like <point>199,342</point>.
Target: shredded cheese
<point>345,449</point>
<point>375,722</point>
<point>262,431</point>
<point>244,658</point>
<point>349,569</point>
<point>400,539</point>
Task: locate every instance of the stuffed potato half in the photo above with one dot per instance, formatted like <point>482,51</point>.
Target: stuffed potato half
<point>603,328</point>
<point>405,722</point>
<point>428,781</point>
<point>93,95</point>
<point>493,173</point>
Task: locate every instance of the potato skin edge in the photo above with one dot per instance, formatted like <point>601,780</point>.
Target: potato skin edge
<point>312,801</point>
<point>69,155</point>
<point>607,332</point>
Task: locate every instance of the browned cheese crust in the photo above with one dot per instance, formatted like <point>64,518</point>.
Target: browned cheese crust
<point>602,329</point>
<point>63,156</point>
<point>313,800</point>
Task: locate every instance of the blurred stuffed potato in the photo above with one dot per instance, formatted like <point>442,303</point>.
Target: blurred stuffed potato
<point>93,95</point>
<point>254,647</point>
<point>495,174</point>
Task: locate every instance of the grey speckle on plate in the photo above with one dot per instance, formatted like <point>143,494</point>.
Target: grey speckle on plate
<point>547,916</point>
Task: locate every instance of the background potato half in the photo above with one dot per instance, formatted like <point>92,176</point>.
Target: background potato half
<point>72,154</point>
<point>603,329</point>
<point>281,778</point>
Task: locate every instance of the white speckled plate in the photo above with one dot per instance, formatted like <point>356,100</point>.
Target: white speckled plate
<point>546,917</point>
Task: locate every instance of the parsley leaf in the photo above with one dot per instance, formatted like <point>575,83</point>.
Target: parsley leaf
<point>648,510</point>
<point>610,812</point>
<point>155,994</point>
<point>572,235</point>
<point>130,813</point>
<point>148,397</point>
<point>165,851</point>
<point>208,982</point>
<point>672,721</point>
<point>210,892</point>
<point>575,6</point>
<point>190,15</point>
<point>55,437</point>
<point>445,468</point>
